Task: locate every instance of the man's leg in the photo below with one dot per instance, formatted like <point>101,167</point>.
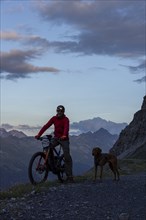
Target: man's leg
<point>67,157</point>
<point>54,143</point>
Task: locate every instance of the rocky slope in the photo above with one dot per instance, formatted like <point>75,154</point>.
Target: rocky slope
<point>132,140</point>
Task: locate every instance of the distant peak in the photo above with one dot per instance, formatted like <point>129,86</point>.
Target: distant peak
<point>103,129</point>
<point>16,133</point>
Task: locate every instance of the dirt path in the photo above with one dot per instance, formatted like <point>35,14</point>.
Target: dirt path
<point>82,201</point>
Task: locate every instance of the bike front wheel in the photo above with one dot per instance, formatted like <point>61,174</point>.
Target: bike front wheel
<point>37,169</point>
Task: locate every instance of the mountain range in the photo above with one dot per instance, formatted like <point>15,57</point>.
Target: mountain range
<point>76,128</point>
<point>17,149</point>
<point>93,125</point>
<point>126,141</point>
<point>14,133</point>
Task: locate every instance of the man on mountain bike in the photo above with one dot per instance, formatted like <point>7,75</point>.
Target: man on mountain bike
<point>61,136</point>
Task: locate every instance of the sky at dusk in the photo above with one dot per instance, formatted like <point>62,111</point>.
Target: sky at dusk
<point>89,56</point>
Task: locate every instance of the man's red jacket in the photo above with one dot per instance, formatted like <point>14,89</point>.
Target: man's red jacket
<point>61,126</point>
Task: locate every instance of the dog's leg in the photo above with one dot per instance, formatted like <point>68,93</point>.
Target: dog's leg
<point>115,165</point>
<point>112,169</point>
<point>118,175</point>
<point>95,172</point>
<point>101,170</point>
<point>116,169</point>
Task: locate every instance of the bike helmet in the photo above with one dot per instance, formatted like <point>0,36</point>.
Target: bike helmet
<point>60,108</point>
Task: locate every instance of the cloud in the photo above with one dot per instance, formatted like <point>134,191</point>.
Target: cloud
<point>143,79</point>
<point>10,35</point>
<point>32,130</point>
<point>34,40</point>
<point>31,40</point>
<point>114,28</point>
<point>7,126</point>
<point>15,9</point>
<point>141,68</point>
<point>21,127</point>
<point>15,64</point>
<point>27,129</point>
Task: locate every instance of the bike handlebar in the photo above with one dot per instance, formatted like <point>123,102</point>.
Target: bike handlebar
<point>48,137</point>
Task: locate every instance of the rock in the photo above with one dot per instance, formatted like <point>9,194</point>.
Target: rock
<point>124,216</point>
<point>132,140</point>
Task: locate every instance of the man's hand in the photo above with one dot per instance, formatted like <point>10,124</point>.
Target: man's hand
<point>63,137</point>
<point>37,137</point>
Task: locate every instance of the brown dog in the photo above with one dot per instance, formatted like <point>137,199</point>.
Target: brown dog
<point>101,159</point>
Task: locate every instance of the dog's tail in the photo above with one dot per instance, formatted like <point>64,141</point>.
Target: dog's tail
<point>119,168</point>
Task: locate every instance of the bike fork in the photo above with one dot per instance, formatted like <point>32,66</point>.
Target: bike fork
<point>46,156</point>
<point>44,165</point>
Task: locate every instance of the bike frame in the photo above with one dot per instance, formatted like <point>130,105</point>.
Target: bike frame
<point>50,147</point>
<point>51,159</point>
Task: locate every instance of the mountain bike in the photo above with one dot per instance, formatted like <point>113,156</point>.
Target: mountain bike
<point>50,159</point>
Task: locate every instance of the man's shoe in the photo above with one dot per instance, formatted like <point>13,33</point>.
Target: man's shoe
<point>70,179</point>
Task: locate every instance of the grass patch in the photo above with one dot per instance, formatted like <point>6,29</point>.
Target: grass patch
<point>127,167</point>
<point>16,191</point>
<point>21,189</point>
<point>132,166</point>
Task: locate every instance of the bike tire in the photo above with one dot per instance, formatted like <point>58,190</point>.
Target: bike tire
<point>61,174</point>
<point>37,172</point>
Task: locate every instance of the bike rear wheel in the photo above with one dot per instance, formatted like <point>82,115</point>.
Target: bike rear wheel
<point>37,169</point>
<point>61,174</point>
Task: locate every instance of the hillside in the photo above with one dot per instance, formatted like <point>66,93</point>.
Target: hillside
<point>132,140</point>
<point>15,154</point>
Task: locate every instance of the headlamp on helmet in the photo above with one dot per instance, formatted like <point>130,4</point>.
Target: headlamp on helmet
<point>60,108</point>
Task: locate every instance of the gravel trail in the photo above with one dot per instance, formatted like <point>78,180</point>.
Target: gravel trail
<point>82,201</point>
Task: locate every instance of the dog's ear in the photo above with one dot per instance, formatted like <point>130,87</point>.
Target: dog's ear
<point>93,151</point>
<point>100,150</point>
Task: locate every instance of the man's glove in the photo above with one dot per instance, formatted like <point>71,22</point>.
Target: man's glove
<point>63,137</point>
<point>37,137</point>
